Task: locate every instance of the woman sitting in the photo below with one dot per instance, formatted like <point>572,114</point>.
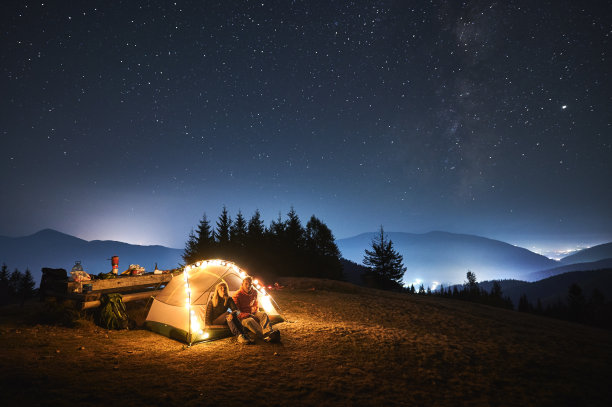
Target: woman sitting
<point>222,310</point>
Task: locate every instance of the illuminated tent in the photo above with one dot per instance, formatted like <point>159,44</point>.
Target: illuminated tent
<point>179,310</point>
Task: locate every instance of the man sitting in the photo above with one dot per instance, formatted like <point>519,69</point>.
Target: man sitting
<point>251,318</point>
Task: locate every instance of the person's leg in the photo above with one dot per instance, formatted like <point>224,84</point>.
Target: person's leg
<point>221,319</point>
<point>253,326</point>
<point>264,321</point>
<point>233,324</point>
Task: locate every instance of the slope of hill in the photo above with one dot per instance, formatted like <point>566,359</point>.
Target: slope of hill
<point>50,248</point>
<point>341,345</point>
<point>553,289</point>
<point>595,265</point>
<point>595,253</point>
<point>446,257</point>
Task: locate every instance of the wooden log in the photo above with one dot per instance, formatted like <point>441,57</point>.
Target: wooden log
<point>125,298</point>
<point>128,281</point>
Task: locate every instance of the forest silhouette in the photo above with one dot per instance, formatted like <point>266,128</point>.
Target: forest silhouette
<point>284,249</point>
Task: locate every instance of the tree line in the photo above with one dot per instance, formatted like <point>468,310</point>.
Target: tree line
<point>284,248</point>
<point>15,286</point>
<point>578,307</point>
<point>469,291</point>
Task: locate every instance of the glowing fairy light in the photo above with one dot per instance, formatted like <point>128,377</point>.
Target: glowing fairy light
<point>195,323</point>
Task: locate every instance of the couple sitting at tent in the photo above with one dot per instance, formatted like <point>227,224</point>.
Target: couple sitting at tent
<point>244,313</point>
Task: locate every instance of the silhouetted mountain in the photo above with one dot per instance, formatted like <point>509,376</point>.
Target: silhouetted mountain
<point>595,253</point>
<point>50,248</point>
<point>446,257</point>
<point>555,288</point>
<point>594,265</point>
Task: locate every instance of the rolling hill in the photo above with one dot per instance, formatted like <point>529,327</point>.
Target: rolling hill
<point>553,289</point>
<point>594,265</point>
<point>595,253</point>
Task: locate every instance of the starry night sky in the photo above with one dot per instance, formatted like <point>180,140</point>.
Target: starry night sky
<point>128,120</point>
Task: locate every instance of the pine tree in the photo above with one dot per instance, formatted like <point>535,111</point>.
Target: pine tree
<point>384,261</point>
<point>322,250</point>
<point>14,281</point>
<point>189,253</point>
<point>320,239</point>
<point>524,305</point>
<point>200,244</point>
<point>294,232</point>
<point>256,228</point>
<point>4,274</point>
<point>257,254</point>
<point>4,284</point>
<point>205,245</point>
<point>224,225</point>
<point>238,239</point>
<point>496,290</point>
<point>238,232</point>
<point>471,283</point>
<point>277,229</point>
<point>25,290</point>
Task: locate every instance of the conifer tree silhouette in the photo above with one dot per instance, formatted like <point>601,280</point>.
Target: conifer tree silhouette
<point>385,263</point>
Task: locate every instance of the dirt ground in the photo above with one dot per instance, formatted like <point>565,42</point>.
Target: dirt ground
<point>341,345</point>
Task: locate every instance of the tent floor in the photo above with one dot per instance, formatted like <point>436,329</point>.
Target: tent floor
<point>215,332</point>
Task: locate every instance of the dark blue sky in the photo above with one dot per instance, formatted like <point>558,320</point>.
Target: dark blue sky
<point>129,120</point>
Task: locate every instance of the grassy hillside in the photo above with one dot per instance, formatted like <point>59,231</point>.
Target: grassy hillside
<point>342,345</point>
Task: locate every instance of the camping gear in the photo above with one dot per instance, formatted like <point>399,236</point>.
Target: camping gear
<point>112,313</point>
<point>115,265</point>
<point>179,310</point>
<point>134,270</point>
<point>78,274</point>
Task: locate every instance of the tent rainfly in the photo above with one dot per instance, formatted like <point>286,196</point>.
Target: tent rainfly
<point>179,310</point>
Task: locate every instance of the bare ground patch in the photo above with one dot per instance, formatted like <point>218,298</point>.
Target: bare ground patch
<point>342,345</point>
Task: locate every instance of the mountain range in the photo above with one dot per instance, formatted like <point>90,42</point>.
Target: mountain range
<point>50,248</point>
<point>554,289</point>
<point>445,258</point>
<point>430,258</point>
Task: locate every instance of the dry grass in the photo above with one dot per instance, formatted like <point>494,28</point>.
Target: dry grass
<point>342,345</point>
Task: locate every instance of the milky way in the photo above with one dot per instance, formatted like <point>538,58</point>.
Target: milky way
<point>129,120</point>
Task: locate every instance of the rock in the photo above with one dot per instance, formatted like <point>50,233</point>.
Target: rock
<point>81,347</point>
